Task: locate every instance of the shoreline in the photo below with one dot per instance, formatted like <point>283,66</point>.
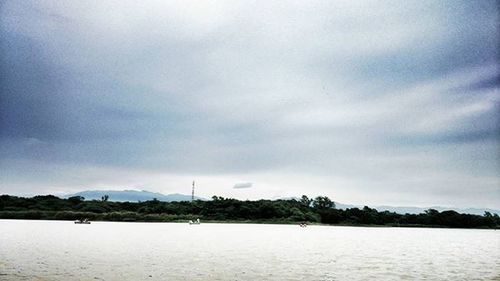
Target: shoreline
<point>319,211</point>
<point>267,223</point>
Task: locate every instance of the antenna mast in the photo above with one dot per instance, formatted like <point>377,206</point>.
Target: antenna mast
<point>192,193</point>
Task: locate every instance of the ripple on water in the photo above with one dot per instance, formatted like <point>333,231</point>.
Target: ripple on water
<point>156,251</point>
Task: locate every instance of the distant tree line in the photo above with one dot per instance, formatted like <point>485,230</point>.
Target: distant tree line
<point>318,210</point>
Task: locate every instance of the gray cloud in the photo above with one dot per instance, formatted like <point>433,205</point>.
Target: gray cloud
<point>243,185</point>
<point>395,101</point>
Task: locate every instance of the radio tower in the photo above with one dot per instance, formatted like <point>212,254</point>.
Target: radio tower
<point>192,193</point>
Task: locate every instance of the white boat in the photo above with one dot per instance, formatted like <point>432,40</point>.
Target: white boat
<point>197,221</point>
<point>85,221</point>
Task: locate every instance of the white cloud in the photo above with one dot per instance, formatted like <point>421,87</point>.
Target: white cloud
<point>243,185</point>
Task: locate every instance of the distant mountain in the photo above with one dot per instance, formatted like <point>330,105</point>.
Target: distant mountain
<point>132,195</point>
<point>407,209</point>
<point>418,210</point>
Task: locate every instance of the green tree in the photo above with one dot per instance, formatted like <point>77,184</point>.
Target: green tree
<point>304,200</point>
<point>323,202</point>
<point>76,199</point>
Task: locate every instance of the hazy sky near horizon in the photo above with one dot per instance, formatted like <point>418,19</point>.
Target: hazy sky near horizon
<point>371,102</point>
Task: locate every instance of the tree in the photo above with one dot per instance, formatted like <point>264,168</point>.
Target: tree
<point>304,200</point>
<point>105,198</point>
<point>217,198</point>
<point>76,199</point>
<point>323,202</point>
<point>432,212</point>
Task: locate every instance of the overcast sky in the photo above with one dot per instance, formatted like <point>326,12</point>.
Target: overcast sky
<point>372,102</point>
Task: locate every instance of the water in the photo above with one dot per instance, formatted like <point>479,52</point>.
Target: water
<point>61,250</point>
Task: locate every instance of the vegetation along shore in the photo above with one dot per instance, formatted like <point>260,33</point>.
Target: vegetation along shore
<point>318,210</point>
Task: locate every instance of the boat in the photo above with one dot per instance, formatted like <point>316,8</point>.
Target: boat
<point>85,221</point>
<point>197,221</point>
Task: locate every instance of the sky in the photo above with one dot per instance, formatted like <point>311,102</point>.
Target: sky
<point>366,102</point>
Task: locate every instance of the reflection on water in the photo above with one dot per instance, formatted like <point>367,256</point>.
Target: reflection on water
<point>62,250</point>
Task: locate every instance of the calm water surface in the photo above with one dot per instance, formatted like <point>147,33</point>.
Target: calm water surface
<point>61,250</point>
